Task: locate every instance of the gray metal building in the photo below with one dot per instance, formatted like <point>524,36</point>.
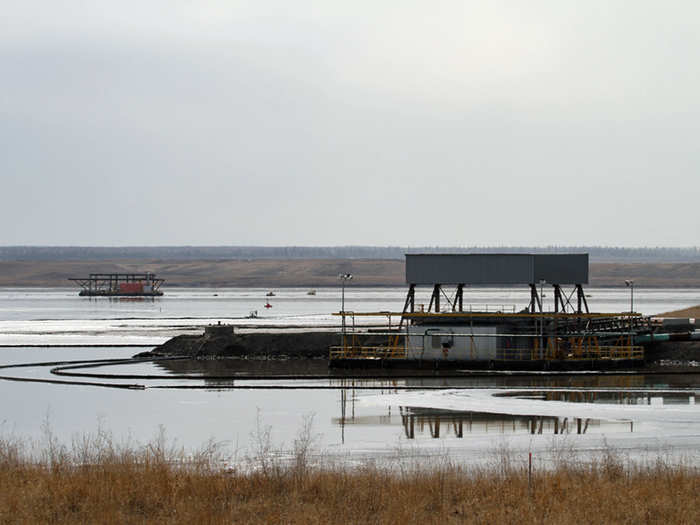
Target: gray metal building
<point>496,269</point>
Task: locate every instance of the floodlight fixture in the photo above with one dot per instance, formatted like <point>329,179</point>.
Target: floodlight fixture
<point>630,284</point>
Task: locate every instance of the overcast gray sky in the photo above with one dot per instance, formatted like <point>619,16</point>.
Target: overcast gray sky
<point>334,123</point>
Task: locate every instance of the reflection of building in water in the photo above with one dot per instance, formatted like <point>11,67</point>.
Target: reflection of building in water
<point>621,381</point>
<point>608,397</point>
<point>435,423</point>
<point>348,396</point>
<point>497,381</point>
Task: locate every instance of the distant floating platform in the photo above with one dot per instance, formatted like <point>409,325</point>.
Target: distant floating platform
<point>98,293</point>
<point>119,285</point>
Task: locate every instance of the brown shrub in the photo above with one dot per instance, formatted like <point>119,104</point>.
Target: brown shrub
<point>98,482</point>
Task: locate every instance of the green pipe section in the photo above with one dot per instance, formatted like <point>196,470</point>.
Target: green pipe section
<point>660,338</point>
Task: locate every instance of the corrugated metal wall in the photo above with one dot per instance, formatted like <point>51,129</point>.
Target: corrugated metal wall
<point>440,343</point>
<point>496,269</point>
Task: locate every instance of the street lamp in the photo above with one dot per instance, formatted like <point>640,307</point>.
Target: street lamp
<point>630,284</point>
<point>344,277</point>
<point>542,281</point>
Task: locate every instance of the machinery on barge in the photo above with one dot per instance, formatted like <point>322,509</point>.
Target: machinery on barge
<point>119,285</point>
<point>449,334</point>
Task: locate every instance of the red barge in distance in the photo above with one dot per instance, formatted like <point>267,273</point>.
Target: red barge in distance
<point>119,285</point>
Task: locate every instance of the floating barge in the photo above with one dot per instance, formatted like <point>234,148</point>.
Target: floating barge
<point>119,285</point>
<point>449,333</point>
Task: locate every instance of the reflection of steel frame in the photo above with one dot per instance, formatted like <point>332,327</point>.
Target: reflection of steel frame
<point>628,390</point>
<point>435,420</point>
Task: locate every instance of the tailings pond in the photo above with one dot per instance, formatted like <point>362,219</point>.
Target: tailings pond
<point>464,416</point>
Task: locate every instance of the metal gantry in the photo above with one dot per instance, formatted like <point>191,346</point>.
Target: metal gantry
<point>119,284</point>
<point>547,336</point>
<point>449,331</point>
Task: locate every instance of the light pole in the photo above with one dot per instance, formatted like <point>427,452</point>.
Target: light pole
<point>542,281</point>
<point>344,277</point>
<point>630,284</point>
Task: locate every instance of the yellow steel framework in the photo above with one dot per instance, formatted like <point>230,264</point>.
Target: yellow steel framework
<point>548,315</point>
<point>544,346</point>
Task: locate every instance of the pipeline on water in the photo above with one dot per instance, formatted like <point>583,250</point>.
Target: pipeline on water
<point>673,336</point>
<point>67,368</point>
<point>63,368</point>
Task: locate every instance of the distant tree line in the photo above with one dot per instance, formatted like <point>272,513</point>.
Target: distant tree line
<point>180,253</point>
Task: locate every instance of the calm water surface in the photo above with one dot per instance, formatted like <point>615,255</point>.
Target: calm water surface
<point>344,420</point>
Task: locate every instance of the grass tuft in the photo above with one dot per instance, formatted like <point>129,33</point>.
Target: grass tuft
<point>95,480</point>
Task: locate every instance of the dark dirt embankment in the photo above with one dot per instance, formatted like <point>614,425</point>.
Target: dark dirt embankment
<point>316,345</point>
<point>295,345</point>
<point>673,353</point>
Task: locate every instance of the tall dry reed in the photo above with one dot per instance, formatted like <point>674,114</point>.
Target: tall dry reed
<point>96,481</point>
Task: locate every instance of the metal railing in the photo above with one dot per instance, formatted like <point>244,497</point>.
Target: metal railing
<point>472,308</point>
<point>367,352</point>
<point>604,336</point>
<point>552,350</point>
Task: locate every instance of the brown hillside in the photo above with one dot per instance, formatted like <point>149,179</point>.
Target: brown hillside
<point>307,272</point>
<point>262,272</point>
<point>691,313</point>
<point>676,275</point>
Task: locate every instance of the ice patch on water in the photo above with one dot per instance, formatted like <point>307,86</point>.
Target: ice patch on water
<point>487,400</point>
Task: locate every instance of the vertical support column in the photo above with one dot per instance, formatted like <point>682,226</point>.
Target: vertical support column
<point>535,304</point>
<point>343,404</point>
<point>435,299</point>
<point>557,299</point>
<point>578,300</point>
<point>459,428</point>
<point>410,304</point>
<point>581,299</point>
<point>460,297</point>
<point>434,429</point>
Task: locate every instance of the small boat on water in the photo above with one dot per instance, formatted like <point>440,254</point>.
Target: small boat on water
<point>270,294</point>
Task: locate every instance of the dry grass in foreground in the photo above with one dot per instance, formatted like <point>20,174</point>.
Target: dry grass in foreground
<point>96,482</point>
